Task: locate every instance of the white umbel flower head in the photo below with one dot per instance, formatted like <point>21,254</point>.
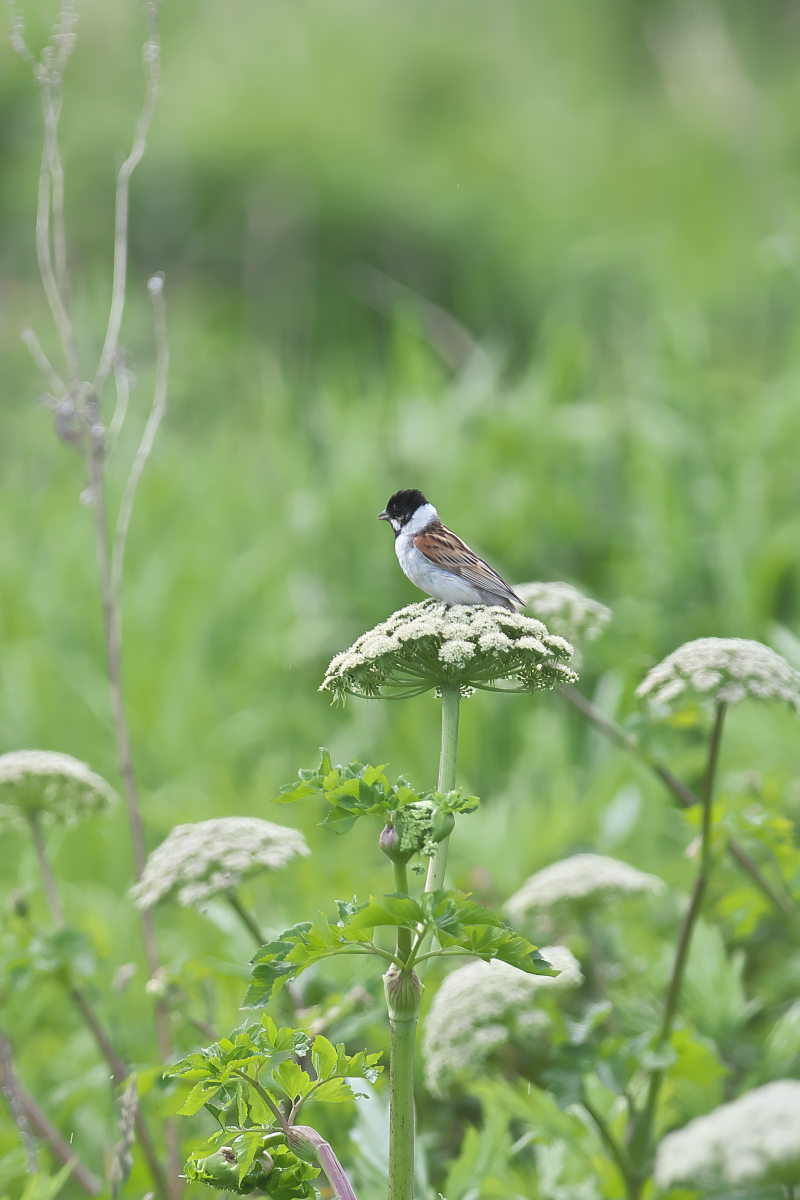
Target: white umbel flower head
<point>565,609</point>
<point>432,645</point>
<point>196,861</point>
<point>724,670</point>
<point>578,878</point>
<point>752,1142</point>
<point>479,1006</point>
<point>53,788</point>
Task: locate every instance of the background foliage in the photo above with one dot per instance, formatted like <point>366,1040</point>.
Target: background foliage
<point>539,260</point>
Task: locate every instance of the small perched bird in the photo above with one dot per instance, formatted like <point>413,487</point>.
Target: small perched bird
<point>436,560</point>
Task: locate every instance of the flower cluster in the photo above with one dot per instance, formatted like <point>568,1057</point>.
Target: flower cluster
<point>435,645</point>
<point>566,610</point>
<point>50,787</point>
<point>575,879</point>
<point>196,861</point>
<point>725,670</point>
<point>479,1006</point>
<point>752,1142</point>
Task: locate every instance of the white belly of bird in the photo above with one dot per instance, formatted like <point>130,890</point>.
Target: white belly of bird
<point>432,579</point>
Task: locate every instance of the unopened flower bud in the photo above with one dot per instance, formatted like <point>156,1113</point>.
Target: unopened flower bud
<point>390,844</point>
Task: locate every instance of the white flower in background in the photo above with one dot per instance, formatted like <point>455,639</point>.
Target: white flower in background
<point>752,1142</point>
<point>432,644</point>
<point>481,1005</point>
<point>565,610</point>
<point>195,861</point>
<point>723,670</point>
<point>53,788</point>
<point>574,879</point>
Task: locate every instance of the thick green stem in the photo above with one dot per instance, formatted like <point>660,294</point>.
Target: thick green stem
<point>403,933</point>
<point>644,1125</point>
<point>402,998</point>
<point>783,902</point>
<point>451,699</point>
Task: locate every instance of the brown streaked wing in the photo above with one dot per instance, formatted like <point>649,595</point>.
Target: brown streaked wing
<point>445,548</point>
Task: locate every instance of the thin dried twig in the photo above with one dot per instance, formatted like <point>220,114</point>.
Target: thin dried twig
<point>159,408</point>
<point>151,56</point>
<point>85,425</point>
<point>51,245</point>
<point>29,1116</point>
<point>41,360</point>
<point>122,383</point>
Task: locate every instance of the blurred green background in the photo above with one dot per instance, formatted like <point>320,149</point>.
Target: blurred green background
<point>539,260</point>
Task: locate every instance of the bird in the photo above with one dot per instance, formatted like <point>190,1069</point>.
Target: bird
<point>436,560</point>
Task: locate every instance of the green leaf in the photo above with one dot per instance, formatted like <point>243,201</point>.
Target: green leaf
<point>292,1079</point>
<point>394,909</point>
<point>297,948</point>
<point>323,1057</point>
<point>197,1097</point>
<point>334,1091</point>
<point>247,1147</point>
<point>359,789</point>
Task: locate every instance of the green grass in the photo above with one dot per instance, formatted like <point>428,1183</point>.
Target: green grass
<point>618,236</point>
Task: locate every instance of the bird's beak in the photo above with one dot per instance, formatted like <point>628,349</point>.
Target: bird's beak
<point>383,516</point>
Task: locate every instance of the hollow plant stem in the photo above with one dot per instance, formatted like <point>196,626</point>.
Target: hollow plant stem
<point>451,701</point>
<point>46,872</point>
<point>245,916</point>
<point>402,998</point>
<point>644,1125</point>
<point>618,1152</point>
<point>403,933</point>
<point>683,793</point>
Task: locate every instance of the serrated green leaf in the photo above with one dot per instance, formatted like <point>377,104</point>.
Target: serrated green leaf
<point>324,1057</point>
<point>394,909</point>
<point>197,1097</point>
<point>334,1091</point>
<point>241,1107</point>
<point>346,909</point>
<point>247,1146</point>
<point>292,1079</point>
<point>339,820</point>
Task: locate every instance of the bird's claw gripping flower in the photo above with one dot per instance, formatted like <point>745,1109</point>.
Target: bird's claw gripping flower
<point>435,645</point>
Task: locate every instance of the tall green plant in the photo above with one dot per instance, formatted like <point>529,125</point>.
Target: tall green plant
<point>419,648</point>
